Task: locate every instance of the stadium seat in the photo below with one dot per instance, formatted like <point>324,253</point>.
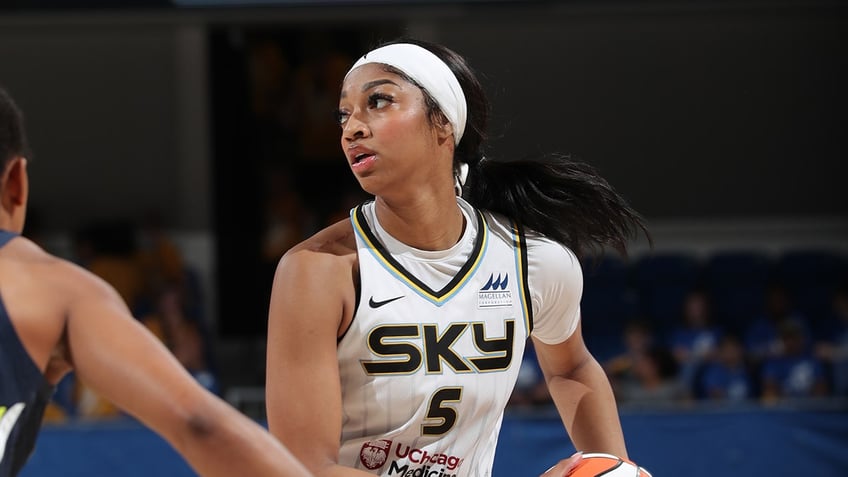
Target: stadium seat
<point>736,281</point>
<point>608,303</point>
<point>810,277</point>
<point>662,281</point>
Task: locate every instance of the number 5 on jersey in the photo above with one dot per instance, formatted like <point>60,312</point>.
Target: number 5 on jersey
<point>441,416</point>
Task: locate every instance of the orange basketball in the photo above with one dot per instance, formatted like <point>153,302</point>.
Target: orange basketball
<point>606,465</point>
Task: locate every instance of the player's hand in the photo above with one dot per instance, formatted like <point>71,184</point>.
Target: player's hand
<point>562,467</point>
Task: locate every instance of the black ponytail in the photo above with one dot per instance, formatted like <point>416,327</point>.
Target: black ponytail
<point>556,196</point>
<point>560,198</point>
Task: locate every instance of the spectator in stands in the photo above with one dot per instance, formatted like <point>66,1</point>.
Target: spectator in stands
<point>656,379</point>
<point>159,257</point>
<point>108,250</point>
<point>638,339</point>
<point>832,343</point>
<point>762,337</point>
<point>182,335</point>
<point>728,377</point>
<point>287,220</point>
<point>795,372</point>
<point>695,340</point>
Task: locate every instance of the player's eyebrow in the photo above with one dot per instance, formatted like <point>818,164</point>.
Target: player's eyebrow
<point>373,84</point>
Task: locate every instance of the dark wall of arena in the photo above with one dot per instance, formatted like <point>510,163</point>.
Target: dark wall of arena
<point>699,111</point>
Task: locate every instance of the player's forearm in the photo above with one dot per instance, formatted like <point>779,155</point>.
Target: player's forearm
<point>587,407</point>
<point>312,446</point>
<point>223,442</point>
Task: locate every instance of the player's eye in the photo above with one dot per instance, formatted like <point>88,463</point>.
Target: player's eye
<point>379,100</point>
<point>341,116</point>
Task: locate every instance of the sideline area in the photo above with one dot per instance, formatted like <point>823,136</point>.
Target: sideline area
<point>782,440</point>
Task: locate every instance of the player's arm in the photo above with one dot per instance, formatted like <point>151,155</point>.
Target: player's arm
<point>577,383</point>
<point>120,360</point>
<point>582,394</point>
<point>303,390</point>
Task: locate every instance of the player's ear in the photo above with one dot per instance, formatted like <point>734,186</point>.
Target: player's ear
<point>444,128</point>
<point>15,184</point>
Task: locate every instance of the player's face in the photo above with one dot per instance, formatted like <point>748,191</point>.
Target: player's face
<point>386,135</point>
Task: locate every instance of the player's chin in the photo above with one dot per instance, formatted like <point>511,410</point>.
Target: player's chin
<point>371,184</point>
<point>367,185</point>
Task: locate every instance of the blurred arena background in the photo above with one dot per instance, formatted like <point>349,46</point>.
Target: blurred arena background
<point>181,146</point>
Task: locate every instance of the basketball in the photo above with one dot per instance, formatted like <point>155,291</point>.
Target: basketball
<point>606,465</point>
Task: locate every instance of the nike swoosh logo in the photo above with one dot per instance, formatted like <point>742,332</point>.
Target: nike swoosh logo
<point>378,304</point>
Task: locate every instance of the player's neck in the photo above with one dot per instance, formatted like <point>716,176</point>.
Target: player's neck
<point>9,223</point>
<point>420,225</point>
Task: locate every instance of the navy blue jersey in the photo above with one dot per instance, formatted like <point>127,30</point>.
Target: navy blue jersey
<point>24,393</point>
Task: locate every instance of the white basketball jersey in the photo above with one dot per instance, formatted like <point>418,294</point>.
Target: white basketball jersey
<point>427,373</point>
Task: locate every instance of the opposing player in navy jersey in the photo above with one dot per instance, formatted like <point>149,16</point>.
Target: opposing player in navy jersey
<point>55,316</point>
<point>395,337</point>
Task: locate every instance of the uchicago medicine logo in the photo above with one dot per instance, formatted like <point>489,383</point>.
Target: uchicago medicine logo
<point>374,453</point>
<point>407,461</point>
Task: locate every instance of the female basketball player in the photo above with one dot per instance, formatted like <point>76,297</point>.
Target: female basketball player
<point>395,337</point>
<point>55,316</point>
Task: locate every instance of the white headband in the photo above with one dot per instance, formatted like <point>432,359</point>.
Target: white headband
<point>428,71</point>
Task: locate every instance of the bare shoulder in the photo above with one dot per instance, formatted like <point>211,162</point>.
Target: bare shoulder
<point>35,270</point>
<point>327,251</point>
<point>318,277</point>
<point>46,287</point>
<point>336,239</point>
<point>38,290</point>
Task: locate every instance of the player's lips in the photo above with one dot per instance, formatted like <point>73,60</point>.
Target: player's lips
<point>357,154</point>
